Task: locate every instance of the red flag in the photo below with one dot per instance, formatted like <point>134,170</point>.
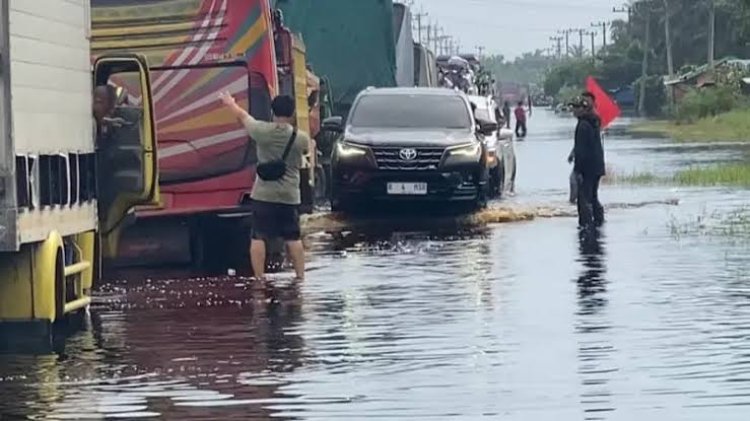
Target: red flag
<point>606,108</point>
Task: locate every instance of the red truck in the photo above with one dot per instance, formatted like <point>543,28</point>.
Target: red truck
<point>195,50</point>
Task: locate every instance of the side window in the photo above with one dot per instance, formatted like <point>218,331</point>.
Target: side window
<point>260,97</point>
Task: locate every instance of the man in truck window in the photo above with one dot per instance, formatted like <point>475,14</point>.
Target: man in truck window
<point>104,106</point>
<point>275,202</point>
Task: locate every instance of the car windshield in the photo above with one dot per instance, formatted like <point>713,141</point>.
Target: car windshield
<point>411,111</point>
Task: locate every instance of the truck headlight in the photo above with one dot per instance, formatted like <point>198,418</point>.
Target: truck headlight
<point>350,150</point>
<point>466,151</point>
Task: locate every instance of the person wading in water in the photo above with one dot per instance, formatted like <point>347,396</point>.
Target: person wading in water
<point>573,179</point>
<point>276,193</point>
<point>521,128</point>
<point>589,167</point>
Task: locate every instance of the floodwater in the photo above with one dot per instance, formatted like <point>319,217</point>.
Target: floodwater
<point>521,321</point>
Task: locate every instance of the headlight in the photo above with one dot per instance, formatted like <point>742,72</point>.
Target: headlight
<point>467,151</point>
<point>349,150</point>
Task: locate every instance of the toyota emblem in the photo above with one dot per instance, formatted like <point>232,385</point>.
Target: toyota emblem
<point>408,154</point>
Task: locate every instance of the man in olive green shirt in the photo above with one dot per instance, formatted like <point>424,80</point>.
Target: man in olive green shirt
<point>275,202</point>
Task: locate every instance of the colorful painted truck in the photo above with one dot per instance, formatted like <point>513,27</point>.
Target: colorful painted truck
<point>197,48</point>
<point>65,190</point>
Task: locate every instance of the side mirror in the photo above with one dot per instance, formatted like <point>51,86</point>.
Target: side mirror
<point>333,124</point>
<point>487,128</point>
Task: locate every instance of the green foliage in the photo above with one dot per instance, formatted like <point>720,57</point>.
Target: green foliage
<point>725,174</point>
<point>736,174</point>
<point>733,126</point>
<point>706,102</point>
<point>570,73</point>
<point>567,94</point>
<point>619,64</point>
<point>656,95</point>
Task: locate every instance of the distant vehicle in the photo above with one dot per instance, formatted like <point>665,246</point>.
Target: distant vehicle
<point>410,144</point>
<point>501,152</point>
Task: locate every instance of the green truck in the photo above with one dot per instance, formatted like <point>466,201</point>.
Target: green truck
<point>352,43</point>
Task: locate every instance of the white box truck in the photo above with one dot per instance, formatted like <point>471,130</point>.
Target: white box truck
<point>67,180</point>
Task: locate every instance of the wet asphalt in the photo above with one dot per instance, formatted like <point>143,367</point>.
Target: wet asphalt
<point>649,319</point>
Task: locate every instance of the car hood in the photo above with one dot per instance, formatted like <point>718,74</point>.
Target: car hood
<point>408,137</point>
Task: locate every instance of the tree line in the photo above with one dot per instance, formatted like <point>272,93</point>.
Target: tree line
<point>660,38</point>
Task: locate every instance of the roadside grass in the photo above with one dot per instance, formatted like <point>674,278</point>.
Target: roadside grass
<point>716,175</point>
<point>733,126</point>
<point>732,225</point>
<point>636,178</point>
<point>735,175</point>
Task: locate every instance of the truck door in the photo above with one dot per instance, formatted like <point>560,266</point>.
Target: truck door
<point>127,164</point>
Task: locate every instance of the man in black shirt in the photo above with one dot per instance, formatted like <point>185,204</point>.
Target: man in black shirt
<point>588,156</point>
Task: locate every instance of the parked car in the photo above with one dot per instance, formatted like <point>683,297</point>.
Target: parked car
<point>501,150</point>
<point>410,144</point>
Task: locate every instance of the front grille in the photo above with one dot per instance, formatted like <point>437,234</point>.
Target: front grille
<point>390,159</point>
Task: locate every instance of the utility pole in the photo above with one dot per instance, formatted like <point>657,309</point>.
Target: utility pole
<point>670,58</point>
<point>435,39</point>
<point>558,40</point>
<point>711,32</point>
<point>581,33</point>
<point>644,66</point>
<point>440,41</point>
<point>668,37</point>
<point>626,9</point>
<point>418,17</point>
<point>480,51</point>
<point>603,24</point>
<point>567,33</point>
<point>428,30</point>
<point>593,43</point>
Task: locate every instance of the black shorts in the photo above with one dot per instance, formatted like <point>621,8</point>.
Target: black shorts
<point>274,220</point>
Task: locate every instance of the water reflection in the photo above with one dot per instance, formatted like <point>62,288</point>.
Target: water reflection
<point>592,283</point>
<point>142,360</point>
<point>595,349</point>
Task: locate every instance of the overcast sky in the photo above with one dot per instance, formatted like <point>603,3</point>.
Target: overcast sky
<point>512,27</point>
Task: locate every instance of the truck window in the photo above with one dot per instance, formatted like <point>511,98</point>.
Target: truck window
<point>260,97</point>
<point>197,137</point>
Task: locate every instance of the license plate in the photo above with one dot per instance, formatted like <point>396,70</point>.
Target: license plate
<point>407,189</point>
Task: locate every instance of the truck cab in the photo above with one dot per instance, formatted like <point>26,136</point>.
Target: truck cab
<point>69,180</point>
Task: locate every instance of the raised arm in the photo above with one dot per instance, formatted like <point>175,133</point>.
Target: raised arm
<point>228,100</point>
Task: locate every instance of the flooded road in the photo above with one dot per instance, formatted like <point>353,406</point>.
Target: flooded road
<point>519,321</point>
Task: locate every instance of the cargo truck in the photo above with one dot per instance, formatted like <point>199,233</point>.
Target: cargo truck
<point>55,226</point>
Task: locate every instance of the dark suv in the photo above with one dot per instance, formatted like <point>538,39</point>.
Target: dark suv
<point>410,144</point>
